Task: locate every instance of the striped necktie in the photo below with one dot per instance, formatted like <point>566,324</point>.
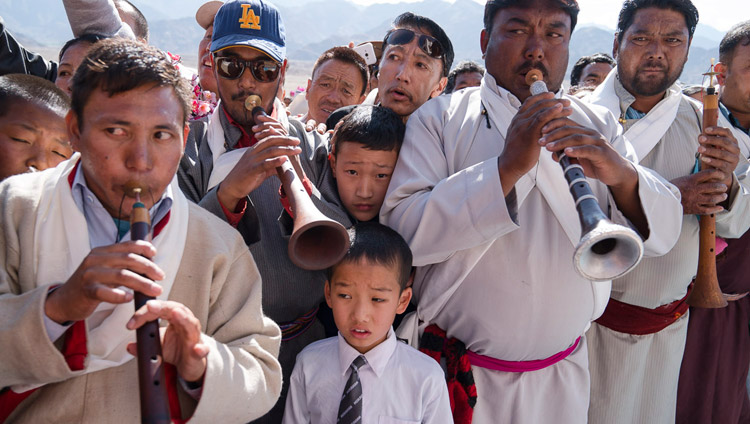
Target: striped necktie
<point>350,408</point>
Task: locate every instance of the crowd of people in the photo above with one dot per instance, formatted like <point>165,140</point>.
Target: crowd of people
<point>456,300</point>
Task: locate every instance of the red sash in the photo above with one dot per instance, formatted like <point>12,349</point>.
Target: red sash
<point>631,319</point>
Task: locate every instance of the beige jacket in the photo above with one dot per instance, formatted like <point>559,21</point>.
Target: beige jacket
<point>217,280</point>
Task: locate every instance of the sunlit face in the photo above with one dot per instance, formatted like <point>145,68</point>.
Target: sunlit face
<point>594,74</point>
<point>365,298</point>
<point>233,92</point>
<point>205,68</point>
<point>534,37</point>
<point>32,138</point>
<point>736,80</point>
<point>69,62</point>
<point>334,84</point>
<point>653,51</point>
<point>468,79</point>
<point>362,177</point>
<point>137,136</point>
<point>408,77</point>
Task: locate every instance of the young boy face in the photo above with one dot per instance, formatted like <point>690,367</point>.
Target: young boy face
<point>32,137</point>
<point>362,177</point>
<point>365,298</point>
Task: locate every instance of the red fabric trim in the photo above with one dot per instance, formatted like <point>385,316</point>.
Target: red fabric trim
<point>631,319</point>
<point>9,401</point>
<point>519,366</point>
<point>162,223</point>
<point>170,376</point>
<point>72,175</point>
<point>233,218</point>
<point>75,350</point>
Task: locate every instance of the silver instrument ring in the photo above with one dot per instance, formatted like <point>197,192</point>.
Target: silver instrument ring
<point>577,180</point>
<point>584,197</point>
<point>575,165</point>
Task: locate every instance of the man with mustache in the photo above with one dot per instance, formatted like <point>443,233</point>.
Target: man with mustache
<point>715,365</point>
<point>636,346</point>
<point>417,56</point>
<point>230,162</point>
<point>485,207</point>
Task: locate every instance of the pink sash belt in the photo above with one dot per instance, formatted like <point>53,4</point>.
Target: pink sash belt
<point>519,366</point>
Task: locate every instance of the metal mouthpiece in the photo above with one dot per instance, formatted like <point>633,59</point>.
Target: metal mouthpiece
<point>533,76</point>
<point>253,101</point>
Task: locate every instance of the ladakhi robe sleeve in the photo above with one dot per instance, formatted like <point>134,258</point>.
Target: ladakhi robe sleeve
<point>437,208</point>
<point>734,222</point>
<point>243,376</point>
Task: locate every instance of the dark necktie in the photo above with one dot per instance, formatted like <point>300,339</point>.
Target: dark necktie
<point>350,408</point>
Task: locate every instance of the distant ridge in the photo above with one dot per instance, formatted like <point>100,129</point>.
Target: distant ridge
<point>314,25</point>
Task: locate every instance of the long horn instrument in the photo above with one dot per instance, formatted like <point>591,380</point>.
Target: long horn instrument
<point>151,380</point>
<point>606,250</point>
<point>706,292</point>
<point>317,242</point>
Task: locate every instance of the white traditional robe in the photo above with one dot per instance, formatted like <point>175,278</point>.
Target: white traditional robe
<point>499,275</point>
<point>634,377</point>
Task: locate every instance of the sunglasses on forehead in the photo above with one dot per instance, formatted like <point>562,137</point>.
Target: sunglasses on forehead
<point>232,67</point>
<point>430,45</point>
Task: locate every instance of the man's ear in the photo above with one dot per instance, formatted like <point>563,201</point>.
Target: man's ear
<point>484,39</point>
<point>615,47</point>
<point>327,292</point>
<point>403,300</point>
<point>722,73</point>
<point>185,133</point>
<point>74,133</point>
<point>440,87</point>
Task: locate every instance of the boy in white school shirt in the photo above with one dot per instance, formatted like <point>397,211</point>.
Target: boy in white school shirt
<point>393,383</point>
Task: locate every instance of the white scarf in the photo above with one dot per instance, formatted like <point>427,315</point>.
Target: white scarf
<point>225,161</point>
<point>61,242</point>
<point>549,175</point>
<point>647,131</point>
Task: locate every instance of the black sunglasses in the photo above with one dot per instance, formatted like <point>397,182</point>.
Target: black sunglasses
<point>430,45</point>
<point>232,67</point>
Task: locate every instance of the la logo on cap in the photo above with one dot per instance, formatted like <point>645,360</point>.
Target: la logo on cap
<point>249,19</point>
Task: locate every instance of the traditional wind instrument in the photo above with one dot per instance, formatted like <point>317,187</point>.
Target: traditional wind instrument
<point>606,250</point>
<point>706,292</point>
<point>151,380</point>
<point>317,242</point>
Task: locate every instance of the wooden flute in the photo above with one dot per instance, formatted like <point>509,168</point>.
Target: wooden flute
<point>151,378</point>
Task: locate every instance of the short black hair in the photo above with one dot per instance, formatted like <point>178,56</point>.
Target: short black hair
<point>15,88</point>
<point>375,127</point>
<point>348,56</point>
<point>463,67</point>
<point>380,245</point>
<point>85,38</point>
<point>575,74</point>
<point>141,24</point>
<point>117,65</point>
<point>630,7</point>
<point>493,6</point>
<point>737,35</point>
<point>408,19</point>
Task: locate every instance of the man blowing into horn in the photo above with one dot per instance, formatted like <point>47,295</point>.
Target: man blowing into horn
<point>498,276</point>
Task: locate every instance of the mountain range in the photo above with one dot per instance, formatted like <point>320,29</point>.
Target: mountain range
<point>312,26</point>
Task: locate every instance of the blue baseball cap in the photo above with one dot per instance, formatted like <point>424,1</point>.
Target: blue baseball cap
<point>250,23</point>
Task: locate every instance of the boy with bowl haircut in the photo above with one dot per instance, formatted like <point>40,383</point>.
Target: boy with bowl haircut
<point>365,374</point>
<point>364,150</point>
<point>32,125</point>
